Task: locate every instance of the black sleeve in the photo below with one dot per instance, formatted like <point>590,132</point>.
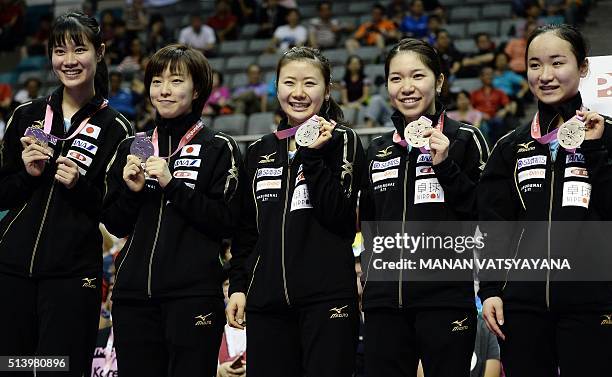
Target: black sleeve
<point>16,185</point>
<point>459,182</point>
<point>120,205</point>
<point>599,164</point>
<point>333,186</point>
<point>247,233</point>
<point>212,210</point>
<point>497,202</point>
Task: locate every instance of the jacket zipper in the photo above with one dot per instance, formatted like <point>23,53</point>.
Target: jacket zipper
<point>367,273</point>
<point>42,223</point>
<point>161,211</point>
<point>127,252</point>
<point>518,245</point>
<point>283,227</point>
<point>400,301</point>
<point>552,194</point>
<point>12,221</point>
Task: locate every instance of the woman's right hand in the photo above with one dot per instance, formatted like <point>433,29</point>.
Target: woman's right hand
<point>225,370</point>
<point>133,173</point>
<point>235,310</point>
<point>493,314</point>
<point>34,156</point>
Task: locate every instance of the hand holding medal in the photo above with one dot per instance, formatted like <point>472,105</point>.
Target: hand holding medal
<point>325,133</point>
<point>594,124</point>
<point>35,155</point>
<point>133,173</point>
<point>157,167</point>
<point>438,144</point>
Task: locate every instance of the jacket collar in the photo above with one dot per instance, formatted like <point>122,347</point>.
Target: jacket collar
<point>565,110</point>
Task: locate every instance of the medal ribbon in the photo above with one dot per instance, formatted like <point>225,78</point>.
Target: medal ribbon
<point>49,122</point>
<point>184,140</point>
<point>283,134</point>
<point>397,138</point>
<point>536,132</point>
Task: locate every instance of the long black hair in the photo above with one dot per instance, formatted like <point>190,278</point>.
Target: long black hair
<point>569,33</point>
<point>78,26</point>
<point>330,109</point>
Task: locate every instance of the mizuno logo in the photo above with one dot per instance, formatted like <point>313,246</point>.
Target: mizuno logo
<point>607,320</point>
<point>525,147</point>
<point>337,312</point>
<point>266,158</point>
<point>202,320</point>
<point>384,152</point>
<point>88,282</point>
<point>459,325</point>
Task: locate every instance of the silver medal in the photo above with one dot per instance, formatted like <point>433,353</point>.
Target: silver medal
<point>413,133</point>
<point>571,134</point>
<point>307,133</point>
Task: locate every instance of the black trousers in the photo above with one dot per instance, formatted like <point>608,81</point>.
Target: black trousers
<point>539,344</point>
<point>318,340</point>
<point>50,317</point>
<point>395,340</point>
<point>168,338</point>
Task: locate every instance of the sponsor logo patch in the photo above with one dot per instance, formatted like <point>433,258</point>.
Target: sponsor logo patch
<point>387,174</point>
<point>531,161</point>
<point>382,165</point>
<point>531,174</point>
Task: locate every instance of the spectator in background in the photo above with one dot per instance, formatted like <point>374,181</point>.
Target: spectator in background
<point>464,112</point>
<point>133,62</point>
<point>224,22</point>
<point>36,44</point>
<point>450,57</point>
<point>396,10</point>
<point>219,97</point>
<point>434,25</point>
<point>291,35</point>
<point>199,36</point>
<point>253,97</point>
<point>135,16</point>
<point>7,105</point>
<point>515,48</point>
<point>107,25</point>
<point>30,91</point>
<point>12,14</point>
<point>158,35</point>
<point>355,85</point>
<point>414,25</point>
<point>118,47</point>
<point>323,30</point>
<point>376,32</point>
<point>124,100</point>
<point>270,15</point>
<point>514,85</point>
<point>244,10</point>
<point>494,104</point>
<point>472,64</point>
<point>379,110</point>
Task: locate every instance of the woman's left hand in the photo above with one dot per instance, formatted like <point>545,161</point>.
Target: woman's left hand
<point>439,143</point>
<point>325,133</point>
<point>67,172</point>
<point>157,168</point>
<point>594,124</point>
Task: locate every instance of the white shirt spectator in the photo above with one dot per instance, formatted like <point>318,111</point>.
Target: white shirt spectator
<point>199,41</point>
<point>323,33</point>
<point>289,37</point>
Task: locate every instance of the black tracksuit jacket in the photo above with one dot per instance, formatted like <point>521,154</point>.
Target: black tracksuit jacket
<point>52,231</point>
<point>175,233</point>
<point>510,190</point>
<point>391,177</point>
<point>298,223</point>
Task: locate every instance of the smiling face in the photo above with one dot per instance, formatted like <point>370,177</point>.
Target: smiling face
<point>172,93</point>
<point>552,69</point>
<point>412,85</point>
<point>301,90</point>
<point>75,64</point>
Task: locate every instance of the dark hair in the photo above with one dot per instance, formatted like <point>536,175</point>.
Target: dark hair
<point>482,33</point>
<point>330,109</point>
<point>79,27</point>
<point>293,10</point>
<point>347,74</point>
<point>321,3</point>
<point>184,59</point>
<point>569,33</point>
<point>219,74</point>
<point>426,53</point>
<point>440,31</point>
<point>462,91</point>
<point>33,79</point>
<point>115,74</point>
<point>379,7</point>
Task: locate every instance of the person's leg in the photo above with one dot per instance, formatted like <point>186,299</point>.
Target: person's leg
<point>18,316</point>
<point>194,328</point>
<point>329,334</point>
<point>139,339</point>
<point>68,317</point>
<point>273,345</point>
<point>446,341</point>
<point>390,344</point>
<point>529,348</point>
<point>584,341</point>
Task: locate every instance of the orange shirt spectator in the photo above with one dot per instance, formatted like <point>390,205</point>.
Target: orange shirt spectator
<point>489,100</point>
<point>369,31</point>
